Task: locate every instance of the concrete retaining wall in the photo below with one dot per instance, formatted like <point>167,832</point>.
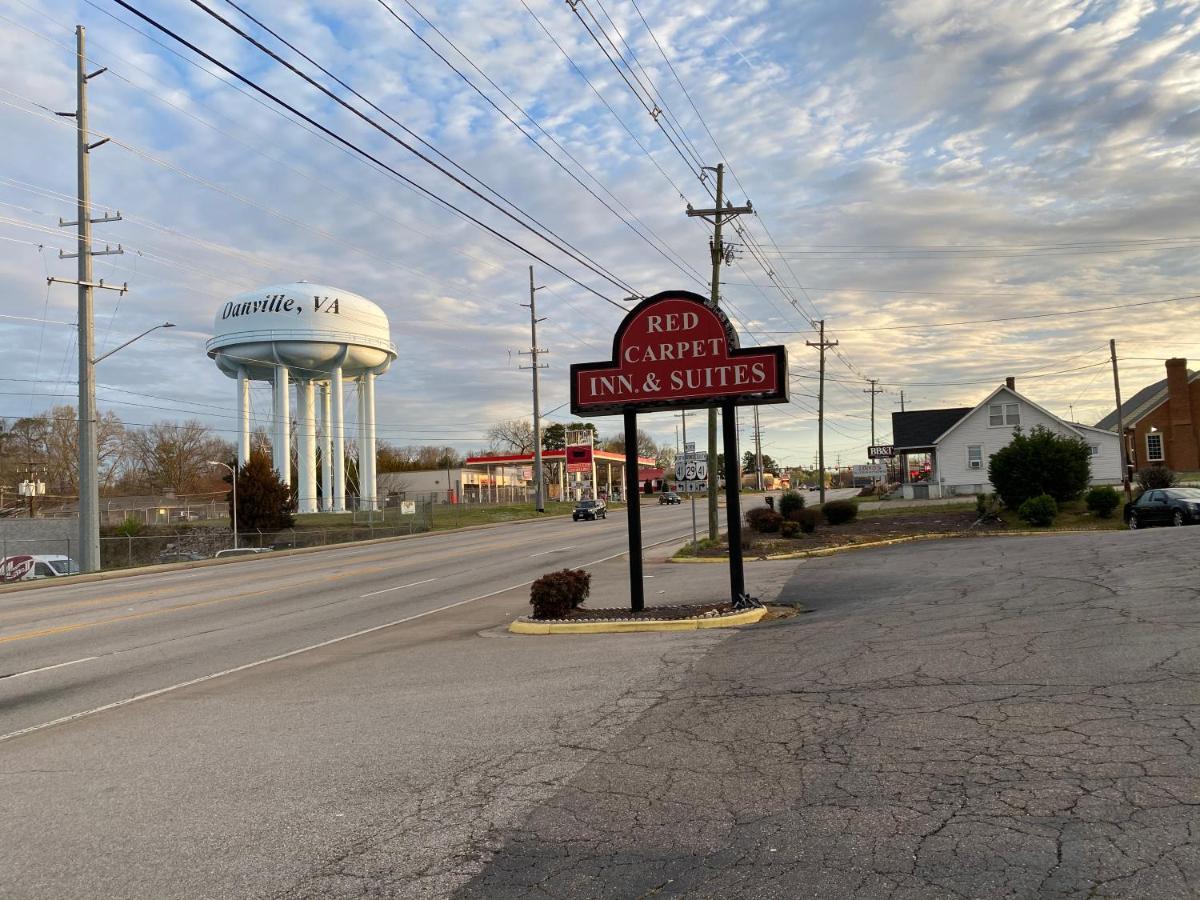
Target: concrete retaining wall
<point>39,536</point>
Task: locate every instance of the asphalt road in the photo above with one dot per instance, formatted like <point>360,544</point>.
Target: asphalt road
<point>986,718</point>
<point>69,648</point>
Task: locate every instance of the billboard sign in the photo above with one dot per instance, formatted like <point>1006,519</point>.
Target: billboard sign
<point>875,470</point>
<point>675,351</point>
<point>881,451</point>
<point>579,458</point>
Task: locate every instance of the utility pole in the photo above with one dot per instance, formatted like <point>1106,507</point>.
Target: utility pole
<point>1112,346</point>
<point>718,215</point>
<point>534,350</point>
<point>758,463</point>
<point>902,401</point>
<point>873,391</point>
<point>822,345</point>
<point>89,492</point>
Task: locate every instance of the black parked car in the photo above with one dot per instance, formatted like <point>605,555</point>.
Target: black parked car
<point>590,509</point>
<point>669,497</point>
<point>1167,506</point>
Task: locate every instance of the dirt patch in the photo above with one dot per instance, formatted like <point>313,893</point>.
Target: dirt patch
<point>861,531</point>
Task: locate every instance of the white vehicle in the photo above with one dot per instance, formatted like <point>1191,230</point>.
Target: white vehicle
<point>30,567</point>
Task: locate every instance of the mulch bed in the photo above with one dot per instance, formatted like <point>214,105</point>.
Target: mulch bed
<point>861,531</point>
<point>649,614</point>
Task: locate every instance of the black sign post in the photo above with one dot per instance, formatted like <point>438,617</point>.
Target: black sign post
<point>675,351</point>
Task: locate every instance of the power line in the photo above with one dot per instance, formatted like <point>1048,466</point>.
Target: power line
<point>432,195</point>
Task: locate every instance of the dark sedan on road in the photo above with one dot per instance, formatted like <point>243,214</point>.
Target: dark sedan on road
<point>669,497</point>
<point>590,509</point>
<point>1166,506</point>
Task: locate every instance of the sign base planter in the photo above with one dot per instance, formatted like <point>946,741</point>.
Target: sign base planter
<point>654,618</point>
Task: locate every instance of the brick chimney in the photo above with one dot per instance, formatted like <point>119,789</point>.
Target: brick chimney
<point>1182,449</point>
<point>1010,383</point>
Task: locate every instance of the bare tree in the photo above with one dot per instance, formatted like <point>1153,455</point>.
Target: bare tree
<point>175,457</point>
<point>514,435</point>
<point>60,449</point>
<point>645,444</point>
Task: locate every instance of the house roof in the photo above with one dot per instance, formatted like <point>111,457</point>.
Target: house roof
<point>1005,389</point>
<point>1145,400</point>
<point>920,428</point>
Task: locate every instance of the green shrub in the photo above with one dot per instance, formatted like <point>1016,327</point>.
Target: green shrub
<point>838,512</point>
<point>763,520</point>
<point>1039,510</point>
<point>131,527</point>
<point>789,529</point>
<point>808,519</point>
<point>1102,500</point>
<point>1155,478</point>
<point>790,504</point>
<point>987,505</point>
<point>555,594</point>
<point>1041,462</point>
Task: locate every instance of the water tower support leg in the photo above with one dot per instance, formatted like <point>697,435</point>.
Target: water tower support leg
<point>371,492</point>
<point>326,451</point>
<point>283,418</point>
<point>306,456</point>
<point>243,450</point>
<point>339,443</point>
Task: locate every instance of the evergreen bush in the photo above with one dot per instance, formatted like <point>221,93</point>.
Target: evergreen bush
<point>838,512</point>
<point>1039,510</point>
<point>1041,462</point>
<point>790,504</point>
<point>1102,500</point>
<point>789,529</point>
<point>808,519</point>
<point>1156,477</point>
<point>763,520</point>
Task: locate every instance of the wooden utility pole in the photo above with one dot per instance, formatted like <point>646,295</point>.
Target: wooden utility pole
<point>902,401</point>
<point>1112,346</point>
<point>873,391</point>
<point>758,459</point>
<point>718,215</point>
<point>534,350</point>
<point>822,345</point>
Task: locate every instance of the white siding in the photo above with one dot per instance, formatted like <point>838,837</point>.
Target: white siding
<point>955,476</point>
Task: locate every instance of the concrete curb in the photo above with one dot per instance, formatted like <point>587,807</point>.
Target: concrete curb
<point>907,539</point>
<point>527,626</point>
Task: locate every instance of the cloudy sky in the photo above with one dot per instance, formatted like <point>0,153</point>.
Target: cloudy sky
<point>912,164</point>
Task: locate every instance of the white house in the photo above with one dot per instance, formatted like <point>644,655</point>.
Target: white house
<point>957,443</point>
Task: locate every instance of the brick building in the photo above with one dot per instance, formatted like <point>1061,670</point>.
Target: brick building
<point>1162,421</point>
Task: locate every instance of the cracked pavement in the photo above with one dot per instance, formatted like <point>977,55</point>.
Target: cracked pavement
<point>1005,717</point>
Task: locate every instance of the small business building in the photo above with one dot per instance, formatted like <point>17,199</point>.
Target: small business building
<point>945,452</point>
<point>602,477</point>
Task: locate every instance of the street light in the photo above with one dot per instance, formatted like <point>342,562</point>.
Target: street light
<point>131,340</point>
<point>233,478</point>
<point>89,490</point>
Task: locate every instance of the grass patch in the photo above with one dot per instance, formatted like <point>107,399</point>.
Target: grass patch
<point>901,510</point>
<point>1072,516</point>
<point>695,549</point>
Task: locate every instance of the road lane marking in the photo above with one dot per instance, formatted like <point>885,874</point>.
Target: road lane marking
<point>555,550</point>
<point>48,668</point>
<point>63,720</point>
<point>398,587</point>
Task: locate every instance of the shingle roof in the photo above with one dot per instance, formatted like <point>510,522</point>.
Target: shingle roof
<point>921,427</point>
<point>1137,401</point>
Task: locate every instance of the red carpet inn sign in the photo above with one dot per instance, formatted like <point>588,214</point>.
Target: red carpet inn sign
<point>675,351</point>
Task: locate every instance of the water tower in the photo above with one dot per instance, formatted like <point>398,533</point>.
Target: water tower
<point>318,337</point>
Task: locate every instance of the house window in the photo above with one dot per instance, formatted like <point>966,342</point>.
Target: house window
<point>1094,449</point>
<point>975,456</point>
<point>1000,414</point>
<point>1154,447</point>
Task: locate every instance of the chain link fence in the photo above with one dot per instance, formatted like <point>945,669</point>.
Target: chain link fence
<point>125,551</point>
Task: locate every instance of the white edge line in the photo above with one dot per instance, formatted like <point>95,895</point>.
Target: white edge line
<point>555,550</point>
<point>63,720</point>
<point>48,668</point>
<point>398,587</point>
